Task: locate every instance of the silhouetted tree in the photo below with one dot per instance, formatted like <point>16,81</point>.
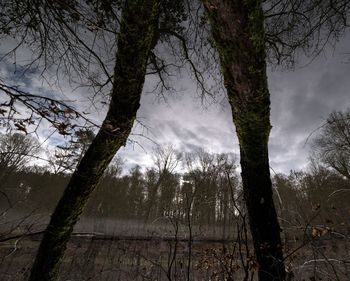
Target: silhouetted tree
<point>332,144</point>
<point>291,198</point>
<point>16,150</point>
<point>328,192</point>
<point>135,193</point>
<point>166,159</point>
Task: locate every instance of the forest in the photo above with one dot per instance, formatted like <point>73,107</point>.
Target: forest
<point>74,81</point>
<point>202,185</point>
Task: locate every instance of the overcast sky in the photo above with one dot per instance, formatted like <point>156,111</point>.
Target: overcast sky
<point>300,102</point>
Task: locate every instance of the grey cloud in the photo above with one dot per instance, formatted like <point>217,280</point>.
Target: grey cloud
<point>190,147</point>
<point>300,101</point>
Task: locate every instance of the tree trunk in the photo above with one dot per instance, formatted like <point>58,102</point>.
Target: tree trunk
<point>151,201</point>
<point>238,31</point>
<point>134,44</point>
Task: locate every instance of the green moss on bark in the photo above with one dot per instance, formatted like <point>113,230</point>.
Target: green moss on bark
<point>238,30</point>
<point>134,43</point>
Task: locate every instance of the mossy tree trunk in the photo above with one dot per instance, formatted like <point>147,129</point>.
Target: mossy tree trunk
<point>238,31</point>
<point>134,44</point>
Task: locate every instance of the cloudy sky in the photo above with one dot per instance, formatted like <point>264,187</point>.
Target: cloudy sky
<point>301,100</point>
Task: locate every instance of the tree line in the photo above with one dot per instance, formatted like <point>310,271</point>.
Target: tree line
<point>203,186</point>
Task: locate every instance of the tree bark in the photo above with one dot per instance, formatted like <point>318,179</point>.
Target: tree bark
<point>238,31</point>
<point>134,45</point>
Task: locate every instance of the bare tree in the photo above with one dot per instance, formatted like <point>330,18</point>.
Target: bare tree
<point>332,144</point>
<point>16,150</point>
<point>166,159</point>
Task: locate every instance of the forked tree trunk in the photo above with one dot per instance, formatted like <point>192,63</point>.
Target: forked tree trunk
<point>134,44</point>
<point>238,31</point>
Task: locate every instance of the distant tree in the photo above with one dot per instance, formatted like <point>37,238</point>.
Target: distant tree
<point>110,198</point>
<point>328,191</point>
<point>331,146</point>
<point>115,168</point>
<point>116,195</point>
<point>170,184</point>
<point>135,193</point>
<point>16,150</point>
<point>316,196</point>
<point>227,191</point>
<point>45,189</point>
<point>199,189</point>
<point>291,198</point>
<point>203,186</point>
<point>166,159</point>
